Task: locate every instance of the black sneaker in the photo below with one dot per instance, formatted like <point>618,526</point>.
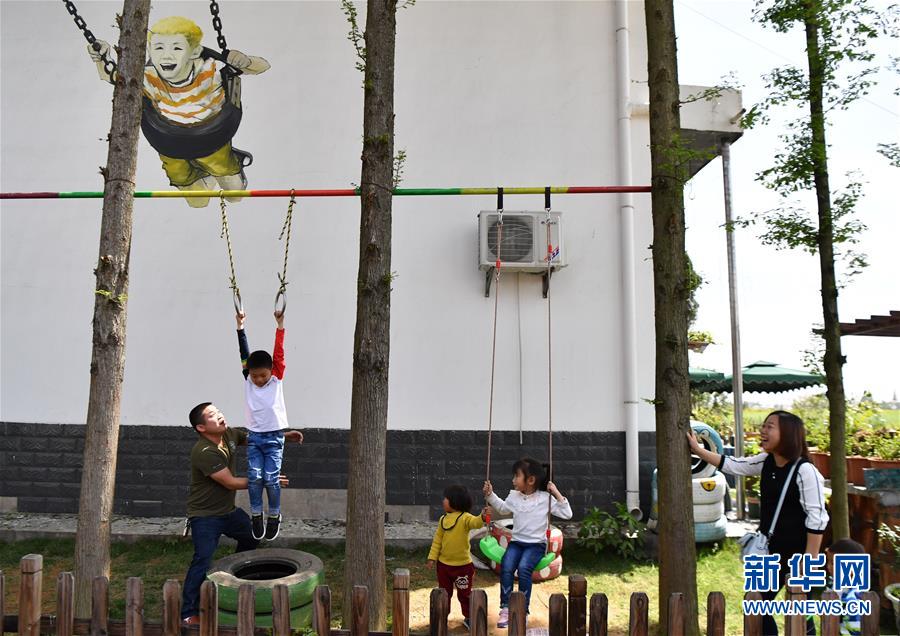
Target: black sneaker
<point>272,526</point>
<point>258,523</point>
<point>466,623</point>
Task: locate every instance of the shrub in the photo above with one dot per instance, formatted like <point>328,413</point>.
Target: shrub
<point>621,532</point>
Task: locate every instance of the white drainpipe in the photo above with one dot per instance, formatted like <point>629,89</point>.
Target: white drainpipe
<point>626,261</point>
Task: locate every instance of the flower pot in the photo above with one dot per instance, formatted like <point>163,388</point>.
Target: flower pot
<point>892,592</point>
<point>697,346</point>
<point>885,463</point>
<point>753,507</point>
<point>855,466</point>
<point>822,462</point>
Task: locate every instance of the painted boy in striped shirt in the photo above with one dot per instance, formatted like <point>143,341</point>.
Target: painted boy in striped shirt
<point>187,89</point>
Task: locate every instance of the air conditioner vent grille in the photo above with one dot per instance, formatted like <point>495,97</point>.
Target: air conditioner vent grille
<point>517,239</point>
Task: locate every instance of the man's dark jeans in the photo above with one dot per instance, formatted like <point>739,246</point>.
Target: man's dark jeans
<point>205,533</point>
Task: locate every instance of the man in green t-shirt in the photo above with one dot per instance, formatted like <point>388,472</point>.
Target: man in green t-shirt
<point>210,504</point>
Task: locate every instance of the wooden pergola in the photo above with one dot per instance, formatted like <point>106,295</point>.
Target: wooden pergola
<point>873,326</point>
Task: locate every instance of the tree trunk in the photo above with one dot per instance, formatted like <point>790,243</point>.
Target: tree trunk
<point>364,562</point>
<point>98,478</point>
<point>834,360</point>
<point>677,551</point>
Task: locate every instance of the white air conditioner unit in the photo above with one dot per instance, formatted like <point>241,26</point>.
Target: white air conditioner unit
<point>523,241</point>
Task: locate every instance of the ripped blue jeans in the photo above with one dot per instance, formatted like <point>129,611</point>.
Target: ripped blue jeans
<point>264,453</point>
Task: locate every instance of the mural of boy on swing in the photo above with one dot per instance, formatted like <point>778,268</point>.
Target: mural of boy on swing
<point>191,112</point>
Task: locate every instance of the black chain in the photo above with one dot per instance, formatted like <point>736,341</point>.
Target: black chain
<point>217,25</point>
<point>108,65</point>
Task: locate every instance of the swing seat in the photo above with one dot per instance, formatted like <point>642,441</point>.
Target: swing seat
<point>494,551</point>
<point>191,141</point>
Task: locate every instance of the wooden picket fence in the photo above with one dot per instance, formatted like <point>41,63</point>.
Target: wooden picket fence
<point>573,616</point>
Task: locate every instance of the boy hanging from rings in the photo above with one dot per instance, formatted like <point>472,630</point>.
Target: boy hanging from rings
<point>267,423</point>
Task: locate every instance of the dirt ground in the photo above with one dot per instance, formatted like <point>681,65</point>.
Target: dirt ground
<point>538,619</point>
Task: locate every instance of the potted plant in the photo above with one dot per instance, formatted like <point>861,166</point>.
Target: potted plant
<point>751,484</point>
<point>887,449</point>
<point>699,340</point>
<point>818,439</point>
<point>751,489</point>
<point>860,447</point>
<point>889,566</point>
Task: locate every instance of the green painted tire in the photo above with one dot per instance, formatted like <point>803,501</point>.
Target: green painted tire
<point>300,617</point>
<point>492,550</point>
<point>301,572</point>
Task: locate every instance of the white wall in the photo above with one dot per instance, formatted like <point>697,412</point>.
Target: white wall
<point>487,93</point>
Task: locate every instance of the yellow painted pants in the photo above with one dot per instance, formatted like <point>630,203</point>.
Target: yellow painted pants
<point>184,172</point>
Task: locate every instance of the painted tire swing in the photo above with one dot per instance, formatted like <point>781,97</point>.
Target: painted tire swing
<point>549,567</point>
<point>190,141</point>
<point>502,531</point>
<point>493,546</point>
<point>551,571</point>
<point>301,572</point>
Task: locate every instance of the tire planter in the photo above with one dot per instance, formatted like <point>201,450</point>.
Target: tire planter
<point>711,440</point>
<point>301,572</point>
<point>708,504</point>
<point>550,571</point>
<point>707,513</point>
<point>300,617</point>
<point>708,490</point>
<point>502,529</point>
<point>707,532</point>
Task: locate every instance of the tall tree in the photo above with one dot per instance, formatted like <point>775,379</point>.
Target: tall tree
<point>98,477</point>
<point>839,69</point>
<point>672,290</point>
<point>364,561</point>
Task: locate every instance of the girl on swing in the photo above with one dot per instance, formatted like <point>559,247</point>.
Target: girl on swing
<point>528,501</point>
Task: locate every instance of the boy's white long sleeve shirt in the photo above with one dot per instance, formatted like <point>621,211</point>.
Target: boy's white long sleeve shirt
<point>530,513</point>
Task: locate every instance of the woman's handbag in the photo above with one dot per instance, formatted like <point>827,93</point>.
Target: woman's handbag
<point>754,543</point>
<point>757,543</point>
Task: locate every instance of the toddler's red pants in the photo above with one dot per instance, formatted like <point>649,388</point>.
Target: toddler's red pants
<point>459,577</point>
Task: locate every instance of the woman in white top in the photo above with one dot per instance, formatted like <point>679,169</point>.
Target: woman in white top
<point>803,519</point>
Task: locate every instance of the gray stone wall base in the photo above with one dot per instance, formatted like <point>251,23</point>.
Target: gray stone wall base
<point>40,469</point>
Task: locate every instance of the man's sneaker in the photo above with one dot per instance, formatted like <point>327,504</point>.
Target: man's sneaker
<point>272,526</point>
<point>258,523</point>
<point>466,623</point>
<point>503,621</point>
<point>191,620</point>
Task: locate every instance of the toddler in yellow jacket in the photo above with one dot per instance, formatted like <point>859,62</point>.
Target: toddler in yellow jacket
<point>450,548</point>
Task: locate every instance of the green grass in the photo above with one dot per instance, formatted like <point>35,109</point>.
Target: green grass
<point>157,561</point>
<point>718,569</point>
<point>892,418</point>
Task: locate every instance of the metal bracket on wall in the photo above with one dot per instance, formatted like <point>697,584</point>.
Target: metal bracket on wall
<point>545,287</point>
<point>488,276</point>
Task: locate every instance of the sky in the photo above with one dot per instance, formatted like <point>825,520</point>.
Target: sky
<point>778,291</point>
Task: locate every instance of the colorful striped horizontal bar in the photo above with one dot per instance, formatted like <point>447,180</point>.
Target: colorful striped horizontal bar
<point>345,192</point>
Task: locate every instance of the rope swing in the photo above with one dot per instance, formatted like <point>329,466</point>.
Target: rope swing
<point>489,545</point>
<point>281,295</point>
<point>235,291</point>
<point>497,267</point>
